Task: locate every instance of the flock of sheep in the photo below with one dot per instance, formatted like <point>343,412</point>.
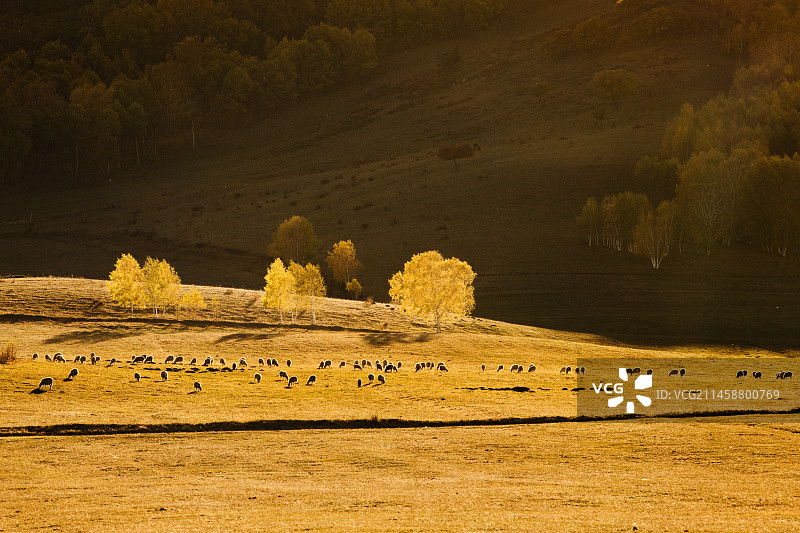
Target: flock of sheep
<point>384,366</point>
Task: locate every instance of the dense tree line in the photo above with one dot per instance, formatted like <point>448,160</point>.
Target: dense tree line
<point>88,87</point>
<point>730,169</point>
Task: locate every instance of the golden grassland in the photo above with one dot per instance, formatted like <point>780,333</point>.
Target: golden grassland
<point>736,473</point>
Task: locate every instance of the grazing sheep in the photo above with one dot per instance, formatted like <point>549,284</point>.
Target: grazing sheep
<point>193,361</point>
<point>209,361</point>
<point>164,375</point>
<point>417,367</point>
<point>359,382</point>
<point>233,366</point>
<point>637,370</point>
<point>321,365</point>
<point>136,377</point>
<point>35,356</point>
<point>138,359</point>
<point>381,379</point>
<point>673,372</point>
<point>787,375</point>
<point>357,367</point>
<point>371,377</point>
<point>430,364</point>
<point>45,381</point>
<point>757,374</point>
<point>399,364</point>
<point>391,368</point>
<point>567,370</point>
<point>364,362</point>
<point>288,362</point>
<point>222,361</point>
<point>514,368</point>
<point>269,362</point>
<point>519,369</point>
<point>369,363</point>
<point>779,375</point>
<point>483,368</point>
<point>149,360</point>
<point>442,367</point>
<point>328,363</point>
<point>740,374</point>
<point>169,359</point>
<point>283,374</point>
<point>94,360</point>
<point>242,361</point>
<point>499,368</point>
<point>311,380</point>
<point>73,373</point>
<point>59,357</point>
<point>77,359</point>
<point>378,367</point>
<point>563,370</point>
<point>47,357</point>
<point>649,371</point>
<point>683,372</point>
<point>112,361</point>
<point>197,386</point>
<point>629,371</point>
<point>257,377</point>
<point>385,362</point>
<point>292,381</point>
<point>83,359</point>
<point>261,361</point>
<point>274,362</point>
<point>179,360</point>
<point>531,368</point>
<point>342,364</point>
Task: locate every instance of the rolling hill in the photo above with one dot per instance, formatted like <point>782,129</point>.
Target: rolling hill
<point>360,162</point>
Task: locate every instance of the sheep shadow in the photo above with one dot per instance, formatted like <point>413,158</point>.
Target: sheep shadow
<point>67,379</point>
<point>388,338</point>
<point>37,390</point>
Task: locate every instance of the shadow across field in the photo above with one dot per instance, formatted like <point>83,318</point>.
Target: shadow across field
<point>237,337</point>
<point>363,423</point>
<point>95,335</point>
<point>389,338</point>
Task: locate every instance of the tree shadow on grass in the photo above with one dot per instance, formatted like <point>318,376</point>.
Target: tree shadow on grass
<point>389,338</point>
<point>95,335</point>
<point>236,337</point>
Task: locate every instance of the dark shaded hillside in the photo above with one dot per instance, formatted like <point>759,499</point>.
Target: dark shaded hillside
<point>360,163</point>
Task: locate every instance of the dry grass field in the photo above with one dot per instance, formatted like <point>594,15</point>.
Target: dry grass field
<point>731,473</point>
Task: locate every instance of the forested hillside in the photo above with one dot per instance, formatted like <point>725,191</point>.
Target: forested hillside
<point>729,169</point>
<point>89,88</point>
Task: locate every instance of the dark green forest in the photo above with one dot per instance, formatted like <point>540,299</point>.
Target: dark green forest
<point>89,88</point>
<point>729,171</point>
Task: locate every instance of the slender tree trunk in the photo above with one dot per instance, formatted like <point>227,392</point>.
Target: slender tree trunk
<point>136,142</point>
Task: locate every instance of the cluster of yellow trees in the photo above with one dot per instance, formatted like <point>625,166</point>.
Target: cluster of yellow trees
<point>155,286</point>
<point>429,286</point>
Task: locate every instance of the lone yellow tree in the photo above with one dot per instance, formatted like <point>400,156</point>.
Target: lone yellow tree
<point>309,286</point>
<point>434,288</point>
<point>342,261</point>
<point>161,284</point>
<point>295,241</point>
<point>279,290</point>
<point>125,282</point>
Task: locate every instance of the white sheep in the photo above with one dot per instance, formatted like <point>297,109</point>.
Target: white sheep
<point>46,382</point>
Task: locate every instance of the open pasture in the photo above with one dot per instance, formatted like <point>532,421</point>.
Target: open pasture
<point>568,477</point>
<point>109,394</point>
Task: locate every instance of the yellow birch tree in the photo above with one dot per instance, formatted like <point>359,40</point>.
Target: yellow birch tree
<point>434,288</point>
